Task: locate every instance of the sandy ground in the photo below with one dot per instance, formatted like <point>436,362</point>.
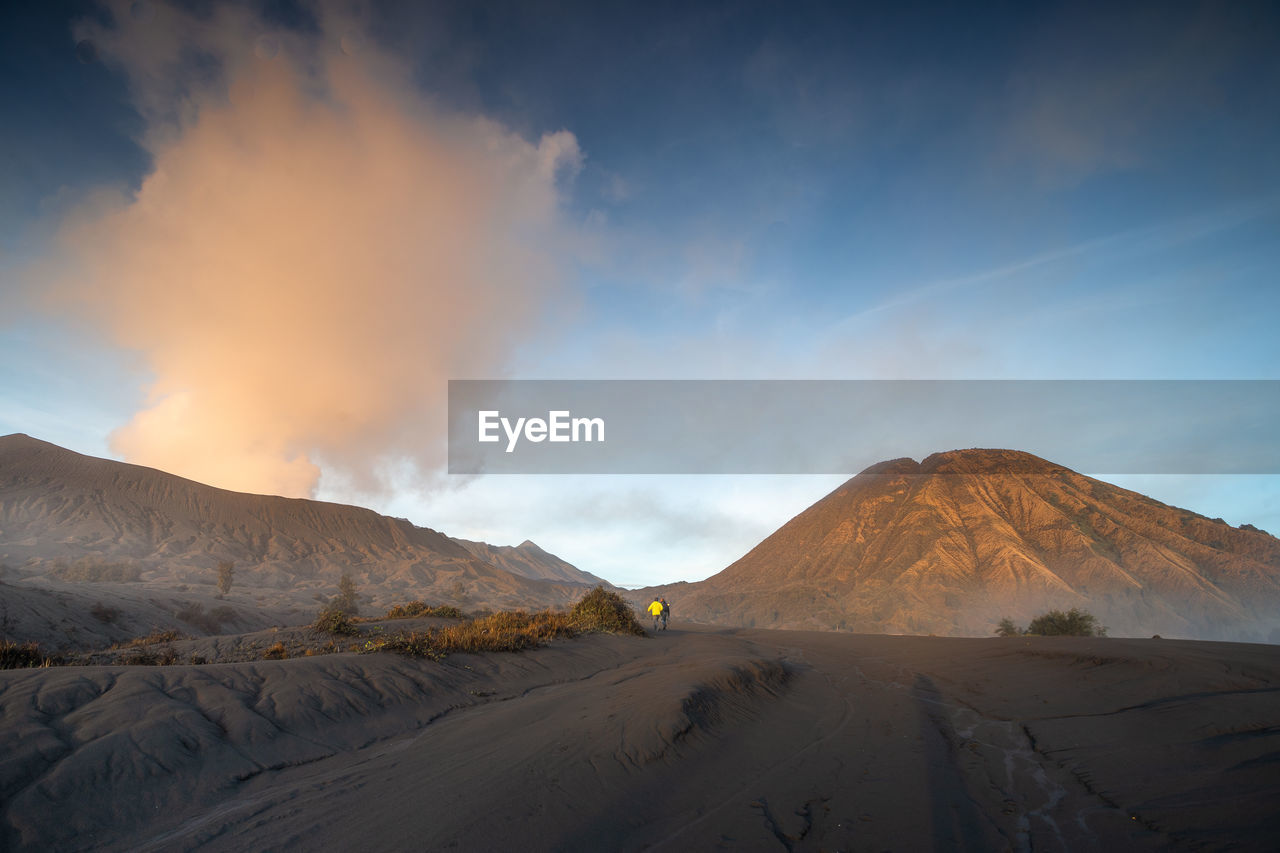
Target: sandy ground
<point>696,739</point>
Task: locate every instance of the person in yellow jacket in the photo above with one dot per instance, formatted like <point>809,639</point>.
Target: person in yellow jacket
<point>655,610</point>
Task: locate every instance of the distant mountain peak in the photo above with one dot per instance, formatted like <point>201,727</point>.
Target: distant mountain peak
<point>17,440</point>
<point>976,460</point>
<point>529,560</point>
<point>909,547</point>
<point>981,460</point>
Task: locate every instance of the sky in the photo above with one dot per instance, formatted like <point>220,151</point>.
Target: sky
<point>250,243</point>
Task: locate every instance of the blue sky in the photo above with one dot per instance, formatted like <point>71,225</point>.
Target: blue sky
<point>700,191</point>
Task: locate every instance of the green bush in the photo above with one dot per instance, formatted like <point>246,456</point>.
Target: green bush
<point>337,622</point>
<point>1006,628</point>
<point>1072,623</point>
<point>605,611</point>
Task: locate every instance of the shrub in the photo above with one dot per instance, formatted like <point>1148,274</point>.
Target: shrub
<point>158,635</point>
<point>276,652</point>
<point>1073,623</point>
<point>348,598</point>
<point>337,622</point>
<point>21,655</point>
<point>226,576</point>
<point>500,632</point>
<point>164,656</point>
<point>1006,628</point>
<point>139,651</point>
<point>103,613</point>
<point>421,608</point>
<point>90,570</point>
<point>211,622</point>
<point>601,610</point>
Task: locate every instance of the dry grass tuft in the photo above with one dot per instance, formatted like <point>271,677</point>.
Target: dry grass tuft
<point>24,656</point>
<point>421,608</point>
<point>599,611</point>
<point>501,632</point>
<point>159,635</point>
<point>163,656</point>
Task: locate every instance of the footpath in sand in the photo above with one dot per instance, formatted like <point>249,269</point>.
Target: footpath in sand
<point>696,739</point>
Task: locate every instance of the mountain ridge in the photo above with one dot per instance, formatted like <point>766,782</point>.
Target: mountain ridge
<point>530,560</point>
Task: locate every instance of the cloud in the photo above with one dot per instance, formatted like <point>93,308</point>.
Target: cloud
<point>673,527</point>
<point>314,252</point>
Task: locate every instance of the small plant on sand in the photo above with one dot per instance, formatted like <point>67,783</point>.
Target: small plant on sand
<point>421,608</point>
<point>157,635</point>
<point>605,611</point>
<point>22,656</point>
<point>336,622</point>
<point>142,657</point>
<point>276,652</point>
<point>152,650</point>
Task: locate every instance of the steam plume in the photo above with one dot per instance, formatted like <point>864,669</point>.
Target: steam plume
<point>314,252</point>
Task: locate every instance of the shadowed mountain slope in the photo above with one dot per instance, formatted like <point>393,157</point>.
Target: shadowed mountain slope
<point>63,512</point>
<point>951,544</point>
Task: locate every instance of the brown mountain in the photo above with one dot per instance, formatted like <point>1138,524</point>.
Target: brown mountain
<point>530,561</point>
<point>952,544</point>
<point>72,517</point>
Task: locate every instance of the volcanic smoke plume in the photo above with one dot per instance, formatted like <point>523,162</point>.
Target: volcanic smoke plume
<point>314,251</point>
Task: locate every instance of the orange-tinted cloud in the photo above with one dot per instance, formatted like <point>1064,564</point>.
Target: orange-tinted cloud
<point>316,250</point>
